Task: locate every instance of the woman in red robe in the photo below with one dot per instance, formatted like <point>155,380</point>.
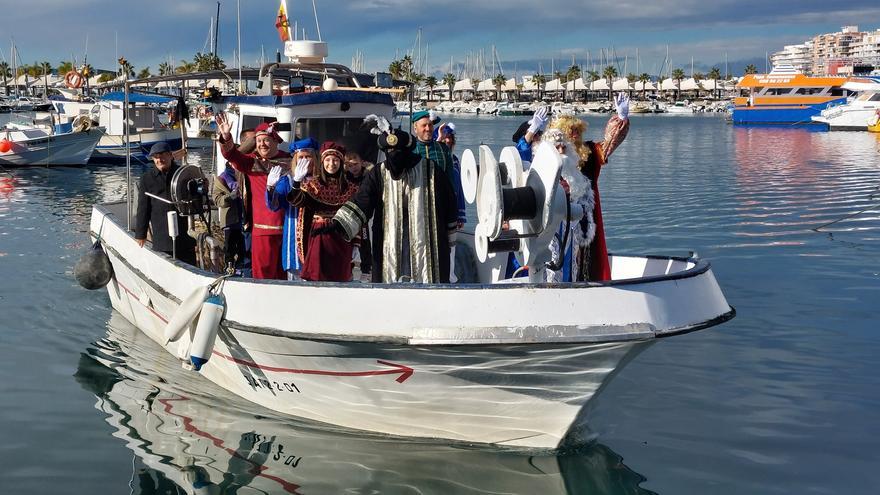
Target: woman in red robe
<point>326,255</point>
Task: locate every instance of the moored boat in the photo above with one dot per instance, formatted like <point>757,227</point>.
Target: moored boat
<point>786,96</point>
<point>32,145</point>
<point>495,360</point>
<point>857,113</point>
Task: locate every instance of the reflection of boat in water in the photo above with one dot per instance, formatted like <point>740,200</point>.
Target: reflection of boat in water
<point>195,437</point>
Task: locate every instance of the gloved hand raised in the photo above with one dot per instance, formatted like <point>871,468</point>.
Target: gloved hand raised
<point>539,120</point>
<point>301,170</point>
<point>273,177</point>
<point>621,104</point>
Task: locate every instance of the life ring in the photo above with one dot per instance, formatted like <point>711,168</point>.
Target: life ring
<point>73,80</point>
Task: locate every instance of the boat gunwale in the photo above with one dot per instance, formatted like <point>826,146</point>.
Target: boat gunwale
<point>700,267</point>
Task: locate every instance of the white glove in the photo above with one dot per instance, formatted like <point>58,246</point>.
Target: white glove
<point>274,175</point>
<point>539,120</point>
<point>302,170</point>
<point>233,194</point>
<point>621,104</point>
<point>355,255</point>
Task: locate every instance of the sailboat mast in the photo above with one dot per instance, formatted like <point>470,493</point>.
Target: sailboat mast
<point>216,29</point>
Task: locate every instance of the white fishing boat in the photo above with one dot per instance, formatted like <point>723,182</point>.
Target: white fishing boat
<point>145,128</point>
<point>513,362</point>
<point>857,113</point>
<point>679,107</point>
<point>22,145</point>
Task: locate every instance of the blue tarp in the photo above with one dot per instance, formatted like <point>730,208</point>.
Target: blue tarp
<point>136,98</point>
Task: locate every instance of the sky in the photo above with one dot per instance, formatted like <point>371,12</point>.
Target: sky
<point>527,35</point>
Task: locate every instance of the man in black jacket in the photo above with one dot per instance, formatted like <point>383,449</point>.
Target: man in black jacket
<point>152,212</point>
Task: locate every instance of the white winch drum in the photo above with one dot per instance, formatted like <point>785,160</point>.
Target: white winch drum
<point>470,176</point>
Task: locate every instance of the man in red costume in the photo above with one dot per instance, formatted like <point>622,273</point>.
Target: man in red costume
<point>268,225</point>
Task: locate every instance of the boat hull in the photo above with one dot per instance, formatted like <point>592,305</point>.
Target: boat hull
<point>780,114</point>
<point>474,363</point>
<point>113,149</point>
<point>60,149</point>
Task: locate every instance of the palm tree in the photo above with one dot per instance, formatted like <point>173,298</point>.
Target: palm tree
<point>573,73</point>
<point>185,67</point>
<point>539,80</point>
<point>631,79</point>
<point>6,73</point>
<point>165,69</point>
<point>207,61</point>
<point>144,73</point>
<point>406,67</point>
<point>395,69</point>
<point>498,81</point>
<point>715,75</point>
<point>105,77</point>
<point>449,81</point>
<point>750,69</point>
<point>126,70</point>
<point>677,76</point>
<point>65,67</point>
<point>644,78</point>
<point>609,73</point>
<point>431,83</point>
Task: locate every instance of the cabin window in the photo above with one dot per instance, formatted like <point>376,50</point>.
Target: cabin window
<point>837,92</point>
<point>252,121</point>
<point>875,97</point>
<point>808,91</point>
<point>324,129</point>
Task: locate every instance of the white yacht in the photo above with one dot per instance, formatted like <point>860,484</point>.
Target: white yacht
<point>858,112</point>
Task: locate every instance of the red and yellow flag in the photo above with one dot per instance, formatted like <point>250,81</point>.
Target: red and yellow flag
<point>282,24</point>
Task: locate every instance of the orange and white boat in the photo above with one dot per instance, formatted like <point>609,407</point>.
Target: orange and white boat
<point>786,96</point>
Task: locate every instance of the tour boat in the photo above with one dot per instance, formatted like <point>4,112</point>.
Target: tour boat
<point>859,112</point>
<point>513,362</point>
<point>22,145</point>
<point>786,96</point>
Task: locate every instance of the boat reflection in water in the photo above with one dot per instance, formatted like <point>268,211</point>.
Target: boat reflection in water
<point>191,435</point>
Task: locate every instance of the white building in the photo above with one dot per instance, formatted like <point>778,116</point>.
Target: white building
<point>798,56</point>
<point>867,49</point>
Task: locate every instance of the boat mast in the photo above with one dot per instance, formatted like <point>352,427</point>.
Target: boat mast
<point>216,30</point>
<point>238,27</point>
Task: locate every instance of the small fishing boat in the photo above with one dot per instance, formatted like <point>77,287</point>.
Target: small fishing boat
<point>786,96</point>
<point>145,127</point>
<point>495,360</point>
<point>22,145</point>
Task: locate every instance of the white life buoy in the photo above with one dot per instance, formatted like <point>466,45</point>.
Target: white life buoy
<point>185,314</point>
<point>206,331</point>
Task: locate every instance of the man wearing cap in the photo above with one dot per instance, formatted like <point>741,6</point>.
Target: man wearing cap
<point>152,213</point>
<point>412,206</point>
<point>268,225</point>
<point>423,129</point>
<point>278,186</point>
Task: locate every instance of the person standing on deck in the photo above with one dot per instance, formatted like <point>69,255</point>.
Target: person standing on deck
<point>326,255</point>
<point>152,213</point>
<point>267,225</point>
<point>427,147</point>
<point>446,135</point>
<point>587,254</point>
<point>226,195</point>
<point>278,187</point>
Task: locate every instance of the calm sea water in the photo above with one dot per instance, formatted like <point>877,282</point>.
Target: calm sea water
<point>783,399</point>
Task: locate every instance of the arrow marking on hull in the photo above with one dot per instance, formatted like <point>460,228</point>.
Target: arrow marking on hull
<point>395,369</point>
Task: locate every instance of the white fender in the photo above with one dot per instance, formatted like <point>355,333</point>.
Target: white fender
<point>185,314</point>
<point>206,331</point>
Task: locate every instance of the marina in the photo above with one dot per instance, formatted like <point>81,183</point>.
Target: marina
<point>702,328</point>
